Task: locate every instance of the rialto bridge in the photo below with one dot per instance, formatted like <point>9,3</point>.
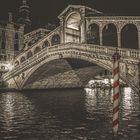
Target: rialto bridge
<point>82,47</point>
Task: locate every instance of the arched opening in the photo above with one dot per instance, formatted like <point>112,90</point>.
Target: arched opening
<point>45,62</point>
<point>29,54</point>
<point>55,40</point>
<point>64,66</point>
<point>22,59</point>
<point>46,44</point>
<point>110,35</point>
<point>73,25</point>
<point>93,36</point>
<point>16,63</point>
<point>129,37</point>
<point>74,21</point>
<point>37,49</point>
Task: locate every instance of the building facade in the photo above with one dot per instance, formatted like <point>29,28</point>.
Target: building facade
<point>11,42</point>
<point>12,36</point>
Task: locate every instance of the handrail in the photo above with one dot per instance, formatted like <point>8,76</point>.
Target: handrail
<point>39,41</point>
<point>109,51</point>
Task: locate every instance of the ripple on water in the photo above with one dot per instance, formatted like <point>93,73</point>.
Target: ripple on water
<point>67,115</point>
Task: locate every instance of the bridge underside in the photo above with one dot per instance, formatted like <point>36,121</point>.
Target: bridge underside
<point>63,73</point>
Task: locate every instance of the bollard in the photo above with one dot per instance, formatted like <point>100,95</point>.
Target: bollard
<point>115,124</point>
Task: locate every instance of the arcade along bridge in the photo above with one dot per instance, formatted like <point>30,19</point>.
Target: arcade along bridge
<point>84,34</point>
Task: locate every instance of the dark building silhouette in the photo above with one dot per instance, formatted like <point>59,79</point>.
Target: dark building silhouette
<point>24,16</point>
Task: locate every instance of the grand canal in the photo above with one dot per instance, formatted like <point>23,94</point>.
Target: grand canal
<point>67,114</point>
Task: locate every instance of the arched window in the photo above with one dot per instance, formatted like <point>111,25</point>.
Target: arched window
<point>74,21</point>
<point>55,40</point>
<point>16,63</point>
<point>129,37</point>
<point>37,49</point>
<point>22,59</point>
<point>93,36</point>
<point>110,37</point>
<point>29,54</point>
<point>46,44</point>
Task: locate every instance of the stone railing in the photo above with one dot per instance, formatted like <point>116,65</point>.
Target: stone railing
<point>39,42</point>
<point>134,55</point>
<point>35,33</point>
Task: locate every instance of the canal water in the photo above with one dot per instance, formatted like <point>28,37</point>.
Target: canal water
<point>76,114</point>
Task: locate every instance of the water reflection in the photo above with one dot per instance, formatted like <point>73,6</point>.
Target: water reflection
<point>67,115</point>
<point>127,100</point>
<point>15,108</point>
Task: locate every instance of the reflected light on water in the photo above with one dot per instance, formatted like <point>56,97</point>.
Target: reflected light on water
<point>16,107</point>
<point>91,100</point>
<point>127,100</point>
<point>8,110</point>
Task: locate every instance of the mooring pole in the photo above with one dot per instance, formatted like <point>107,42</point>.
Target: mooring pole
<point>115,124</point>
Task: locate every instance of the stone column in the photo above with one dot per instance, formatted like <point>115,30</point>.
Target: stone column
<point>101,34</point>
<point>83,26</point>
<point>139,76</point>
<point>62,30</point>
<point>139,37</point>
<point>83,32</point>
<point>119,38</point>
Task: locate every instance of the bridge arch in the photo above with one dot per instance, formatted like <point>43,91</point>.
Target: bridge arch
<point>88,58</point>
<point>93,36</point>
<point>55,39</point>
<point>110,36</point>
<point>85,58</point>
<point>129,36</point>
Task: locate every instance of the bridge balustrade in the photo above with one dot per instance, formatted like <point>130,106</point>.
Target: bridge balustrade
<point>135,54</point>
<point>61,48</point>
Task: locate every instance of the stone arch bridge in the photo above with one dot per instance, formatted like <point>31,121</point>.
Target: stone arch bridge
<point>84,35</point>
<point>102,56</point>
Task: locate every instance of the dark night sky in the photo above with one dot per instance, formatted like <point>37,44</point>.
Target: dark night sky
<point>46,11</point>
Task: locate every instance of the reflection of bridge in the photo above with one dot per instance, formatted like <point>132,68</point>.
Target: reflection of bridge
<point>85,36</point>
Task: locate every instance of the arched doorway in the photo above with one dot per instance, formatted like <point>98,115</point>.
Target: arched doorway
<point>93,36</point>
<point>129,37</point>
<point>110,35</point>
